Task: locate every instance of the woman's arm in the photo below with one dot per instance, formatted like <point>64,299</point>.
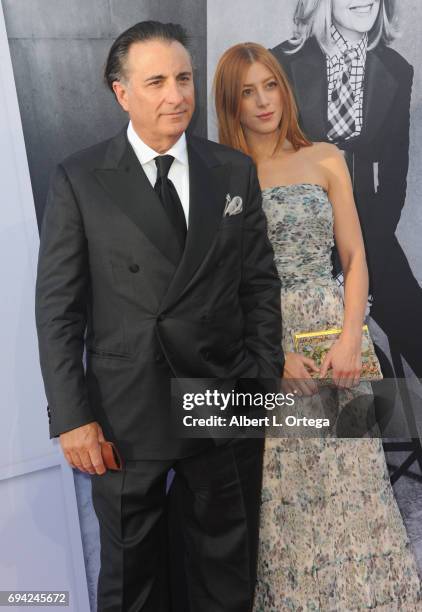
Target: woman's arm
<point>345,355</point>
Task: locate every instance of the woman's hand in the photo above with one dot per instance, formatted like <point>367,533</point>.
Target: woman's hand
<point>345,359</point>
<point>296,376</point>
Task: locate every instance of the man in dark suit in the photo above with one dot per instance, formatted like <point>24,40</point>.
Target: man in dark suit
<point>154,257</point>
<point>378,157</point>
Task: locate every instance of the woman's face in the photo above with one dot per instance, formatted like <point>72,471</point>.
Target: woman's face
<point>353,18</point>
<point>261,101</point>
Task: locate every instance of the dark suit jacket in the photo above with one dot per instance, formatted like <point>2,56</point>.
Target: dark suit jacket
<point>109,279</point>
<point>378,158</point>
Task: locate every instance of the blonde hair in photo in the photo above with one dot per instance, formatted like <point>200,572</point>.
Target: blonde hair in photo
<point>314,17</point>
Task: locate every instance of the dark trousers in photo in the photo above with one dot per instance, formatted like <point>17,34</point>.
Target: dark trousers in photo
<point>219,494</point>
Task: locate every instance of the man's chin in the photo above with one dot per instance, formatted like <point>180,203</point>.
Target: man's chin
<point>176,130</point>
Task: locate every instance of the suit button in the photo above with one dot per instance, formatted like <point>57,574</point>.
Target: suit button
<point>159,357</point>
<point>160,318</point>
<point>220,264</point>
<point>207,355</point>
<point>134,268</point>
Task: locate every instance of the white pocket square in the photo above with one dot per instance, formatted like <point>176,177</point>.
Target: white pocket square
<point>234,205</point>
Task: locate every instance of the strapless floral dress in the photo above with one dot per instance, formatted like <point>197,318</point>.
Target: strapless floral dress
<point>331,534</point>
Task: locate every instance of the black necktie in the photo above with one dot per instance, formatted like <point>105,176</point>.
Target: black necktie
<point>168,195</point>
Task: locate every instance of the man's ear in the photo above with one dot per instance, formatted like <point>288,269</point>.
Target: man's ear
<point>120,91</point>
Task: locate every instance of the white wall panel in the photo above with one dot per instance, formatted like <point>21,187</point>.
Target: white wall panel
<point>39,525</point>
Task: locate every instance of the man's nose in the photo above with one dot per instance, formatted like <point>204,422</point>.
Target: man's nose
<point>174,93</point>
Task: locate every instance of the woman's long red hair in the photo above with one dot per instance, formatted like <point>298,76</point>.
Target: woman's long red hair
<point>228,82</point>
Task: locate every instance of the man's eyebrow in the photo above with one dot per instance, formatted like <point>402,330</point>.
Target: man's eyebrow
<point>155,77</point>
<point>160,77</point>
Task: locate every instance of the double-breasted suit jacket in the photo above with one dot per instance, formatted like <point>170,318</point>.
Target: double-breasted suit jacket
<point>111,280</point>
<point>378,160</point>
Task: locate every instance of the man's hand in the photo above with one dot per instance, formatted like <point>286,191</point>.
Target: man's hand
<point>81,447</point>
<point>296,375</point>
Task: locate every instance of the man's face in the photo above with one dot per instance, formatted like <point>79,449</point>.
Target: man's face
<point>355,17</point>
<point>157,90</point>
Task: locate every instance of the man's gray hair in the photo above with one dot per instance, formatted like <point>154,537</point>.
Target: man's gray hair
<point>140,32</point>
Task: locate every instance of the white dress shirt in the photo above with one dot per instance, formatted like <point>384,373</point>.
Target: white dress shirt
<point>179,170</point>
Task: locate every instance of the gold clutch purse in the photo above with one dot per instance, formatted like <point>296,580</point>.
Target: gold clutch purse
<point>316,345</point>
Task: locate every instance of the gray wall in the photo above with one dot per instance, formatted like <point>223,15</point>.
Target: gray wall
<point>58,50</point>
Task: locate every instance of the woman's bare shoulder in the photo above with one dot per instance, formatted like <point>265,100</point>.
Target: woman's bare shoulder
<point>328,160</point>
<point>328,157</point>
<point>322,150</point>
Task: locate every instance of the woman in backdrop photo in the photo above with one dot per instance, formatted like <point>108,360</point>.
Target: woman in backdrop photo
<point>331,534</point>
<point>353,90</point>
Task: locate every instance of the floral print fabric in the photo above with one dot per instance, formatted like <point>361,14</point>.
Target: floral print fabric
<point>331,534</point>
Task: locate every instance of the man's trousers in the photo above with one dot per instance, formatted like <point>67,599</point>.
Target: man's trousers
<point>219,491</point>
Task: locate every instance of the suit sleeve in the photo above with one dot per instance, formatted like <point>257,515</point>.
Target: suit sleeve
<point>260,288</point>
<point>61,307</point>
<point>394,165</point>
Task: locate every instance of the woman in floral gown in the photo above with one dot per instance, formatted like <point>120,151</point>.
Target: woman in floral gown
<point>331,537</point>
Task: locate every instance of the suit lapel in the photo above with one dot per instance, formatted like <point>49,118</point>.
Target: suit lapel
<point>126,182</point>
<point>309,74</point>
<point>208,186</point>
<point>380,89</point>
